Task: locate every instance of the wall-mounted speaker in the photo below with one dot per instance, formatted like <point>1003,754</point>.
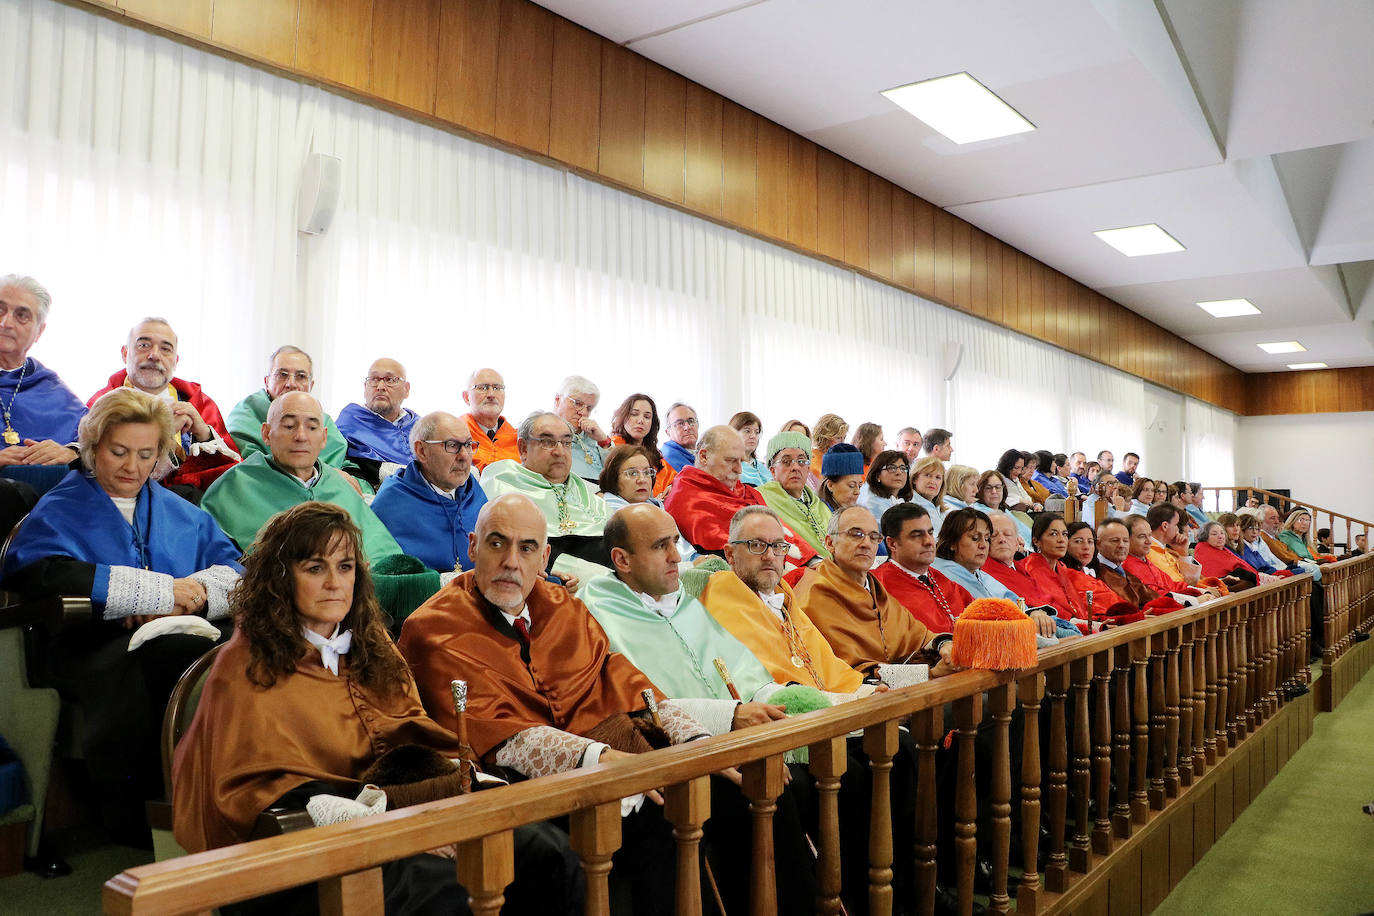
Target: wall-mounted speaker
<point>319,194</point>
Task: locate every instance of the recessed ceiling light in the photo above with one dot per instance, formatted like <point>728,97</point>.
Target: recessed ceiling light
<point>1307,365</point>
<point>1134,241</point>
<point>1228,308</point>
<point>1282,346</point>
<point>960,107</point>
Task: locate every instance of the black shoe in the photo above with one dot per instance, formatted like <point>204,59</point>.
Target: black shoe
<point>947,902</point>
<point>982,876</point>
<point>1293,691</point>
<point>1359,635</point>
<point>47,864</point>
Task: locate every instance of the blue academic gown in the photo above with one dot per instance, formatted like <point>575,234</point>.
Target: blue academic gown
<point>374,438</point>
<point>677,456</point>
<point>428,526</point>
<point>1049,483</point>
<point>44,408</point>
<point>78,520</point>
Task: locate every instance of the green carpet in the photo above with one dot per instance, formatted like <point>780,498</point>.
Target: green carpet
<point>93,863</point>
<point>1304,845</point>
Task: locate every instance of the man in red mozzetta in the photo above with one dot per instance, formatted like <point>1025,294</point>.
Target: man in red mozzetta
<point>907,575</point>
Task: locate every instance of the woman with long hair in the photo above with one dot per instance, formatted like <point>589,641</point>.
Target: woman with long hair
<point>635,422</point>
<point>886,483</point>
<point>1073,594</point>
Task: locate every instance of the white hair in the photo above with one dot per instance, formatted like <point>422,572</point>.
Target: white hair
<point>576,384</point>
<point>35,289</point>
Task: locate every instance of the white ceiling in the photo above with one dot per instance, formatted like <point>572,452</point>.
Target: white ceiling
<point>1244,127</point>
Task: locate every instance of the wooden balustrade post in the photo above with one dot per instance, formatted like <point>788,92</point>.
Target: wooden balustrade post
<point>486,865</point>
<point>1303,623</point>
<point>1140,730</point>
<point>1030,689</point>
<point>1200,699</point>
<point>1102,749</point>
<point>880,744</point>
<point>1272,656</point>
<point>1215,688</point>
<point>927,726</point>
<point>687,805</point>
<point>1001,702</point>
<point>762,785</point>
<point>1172,702</point>
<point>1226,673</point>
<point>1057,796</point>
<point>1185,706</point>
<point>1121,743</point>
<point>1240,689</point>
<point>1284,645</point>
<point>1157,729</point>
<point>594,834</point>
<point>968,712</point>
<point>358,894</point>
<point>1080,851</point>
<point>1246,646</point>
<point>826,762</point>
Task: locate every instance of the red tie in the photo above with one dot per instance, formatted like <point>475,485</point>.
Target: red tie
<point>523,628</point>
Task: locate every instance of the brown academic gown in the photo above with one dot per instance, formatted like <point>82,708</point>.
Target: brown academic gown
<point>865,627</point>
<point>248,746</point>
<point>1125,584</point>
<point>568,677</point>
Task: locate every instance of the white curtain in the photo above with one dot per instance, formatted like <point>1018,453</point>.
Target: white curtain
<point>1209,437</point>
<point>138,177</point>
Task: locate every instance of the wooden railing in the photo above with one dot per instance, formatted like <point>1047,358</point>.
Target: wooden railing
<point>1156,722</point>
<point>1286,504</point>
<point>1349,610</point>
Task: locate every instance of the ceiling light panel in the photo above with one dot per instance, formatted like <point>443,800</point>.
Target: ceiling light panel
<point>960,108</point>
<point>1228,308</point>
<point>1135,241</point>
<point>1307,365</point>
<point>1282,346</point>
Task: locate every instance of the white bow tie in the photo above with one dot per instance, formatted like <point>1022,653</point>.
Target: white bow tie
<point>332,648</point>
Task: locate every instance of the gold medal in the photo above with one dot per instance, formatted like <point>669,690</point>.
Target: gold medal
<point>797,662</point>
<point>11,437</point>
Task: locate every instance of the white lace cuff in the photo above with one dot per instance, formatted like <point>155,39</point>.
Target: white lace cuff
<point>333,809</point>
<point>212,446</point>
<point>865,690</point>
<point>678,724</point>
<point>218,582</point>
<point>542,751</point>
<point>716,716</point>
<point>446,577</point>
<point>765,693</point>
<point>138,591</point>
<point>896,676</point>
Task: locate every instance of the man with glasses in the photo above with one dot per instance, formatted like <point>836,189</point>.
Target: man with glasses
<point>789,460</point>
<point>378,430</point>
<point>707,494</point>
<point>683,427</point>
<point>288,369</point>
<point>575,515</point>
<point>866,626</point>
<point>577,397</point>
<point>485,396</point>
<point>431,505</point>
<point>204,449</point>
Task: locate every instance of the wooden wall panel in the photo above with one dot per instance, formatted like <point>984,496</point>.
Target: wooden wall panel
<point>466,93</point>
<point>801,192</point>
<point>880,227</point>
<point>405,52</point>
<point>773,178</point>
<point>665,133</point>
<point>189,17</point>
<point>855,216</point>
<point>262,29</point>
<point>829,204</point>
<point>903,238</point>
<point>510,69</point>
<point>704,166</point>
<point>622,116</point>
<point>739,149</point>
<point>575,99</point>
<point>524,75</point>
<point>334,40</point>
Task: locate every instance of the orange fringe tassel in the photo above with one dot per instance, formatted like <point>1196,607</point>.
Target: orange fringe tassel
<point>995,634</point>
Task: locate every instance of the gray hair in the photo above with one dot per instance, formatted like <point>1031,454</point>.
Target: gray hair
<point>574,384</point>
<point>289,348</point>
<point>748,512</point>
<point>675,405</point>
<point>1206,531</point>
<point>150,319</point>
<point>35,289</point>
<point>425,426</point>
<point>524,433</point>
<point>833,528</point>
<point>711,439</point>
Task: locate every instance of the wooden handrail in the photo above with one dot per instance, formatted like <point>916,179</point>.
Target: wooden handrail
<point>1278,500</point>
<point>199,882</point>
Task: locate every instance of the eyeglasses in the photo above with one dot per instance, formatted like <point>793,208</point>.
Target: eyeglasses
<point>578,404</point>
<point>638,474</point>
<point>549,443</point>
<point>858,534</point>
<point>390,381</point>
<point>452,446</point>
<point>684,424</point>
<point>300,376</point>
<point>489,386</point>
<point>788,462</point>
<point>896,467</point>
<point>758,547</point>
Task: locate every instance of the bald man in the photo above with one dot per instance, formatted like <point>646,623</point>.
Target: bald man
<point>378,429</point>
